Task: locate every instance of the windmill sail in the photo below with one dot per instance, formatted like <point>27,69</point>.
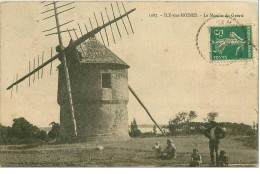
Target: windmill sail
<point>75,43</point>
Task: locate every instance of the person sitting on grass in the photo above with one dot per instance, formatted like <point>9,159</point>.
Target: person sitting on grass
<point>222,159</point>
<point>195,159</point>
<point>170,151</point>
<point>157,149</point>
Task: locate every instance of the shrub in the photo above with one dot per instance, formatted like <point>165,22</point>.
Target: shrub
<point>134,131</point>
<point>55,130</point>
<point>21,132</point>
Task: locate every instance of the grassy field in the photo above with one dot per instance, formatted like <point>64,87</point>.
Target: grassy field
<point>135,152</point>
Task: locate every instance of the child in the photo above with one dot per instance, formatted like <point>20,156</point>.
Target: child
<point>195,159</point>
<point>157,149</point>
<point>170,151</point>
<point>222,159</point>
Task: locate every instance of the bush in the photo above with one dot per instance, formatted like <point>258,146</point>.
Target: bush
<point>55,130</point>
<point>134,131</point>
<point>41,135</point>
<point>249,141</point>
<point>21,132</point>
<point>22,129</point>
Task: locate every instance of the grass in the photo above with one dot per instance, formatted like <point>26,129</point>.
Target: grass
<point>249,141</point>
<point>132,153</point>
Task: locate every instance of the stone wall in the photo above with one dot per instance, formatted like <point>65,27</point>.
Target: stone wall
<point>100,112</point>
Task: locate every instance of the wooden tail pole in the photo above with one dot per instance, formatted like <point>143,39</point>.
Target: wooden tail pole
<point>141,103</point>
<point>128,18</point>
<point>116,22</point>
<point>121,18</point>
<point>104,28</point>
<point>110,26</point>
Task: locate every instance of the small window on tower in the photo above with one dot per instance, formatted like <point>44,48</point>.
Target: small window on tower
<point>106,80</point>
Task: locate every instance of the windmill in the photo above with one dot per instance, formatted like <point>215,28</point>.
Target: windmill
<point>93,82</point>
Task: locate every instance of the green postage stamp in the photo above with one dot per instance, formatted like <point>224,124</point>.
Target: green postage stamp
<point>230,43</point>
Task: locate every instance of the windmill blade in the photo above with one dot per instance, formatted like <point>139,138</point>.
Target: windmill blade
<point>79,46</point>
<point>42,63</point>
<point>34,71</point>
<point>69,34</point>
<point>122,18</point>
<point>75,43</point>
<point>110,27</point>
<point>86,28</point>
<point>104,28</point>
<point>91,26</point>
<point>17,84</point>
<point>29,73</point>
<point>128,17</point>
<point>96,30</point>
<point>51,62</point>
<point>80,30</point>
<point>100,31</point>
<point>12,89</point>
<point>116,21</point>
<point>38,65</point>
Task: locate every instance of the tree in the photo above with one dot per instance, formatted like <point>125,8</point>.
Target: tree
<point>55,130</point>
<point>154,130</point>
<point>4,134</point>
<point>134,131</point>
<point>192,115</point>
<point>22,129</point>
<point>175,124</point>
<point>21,132</point>
<point>212,116</point>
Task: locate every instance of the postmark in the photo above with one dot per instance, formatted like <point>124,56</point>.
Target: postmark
<point>230,43</point>
<point>205,41</point>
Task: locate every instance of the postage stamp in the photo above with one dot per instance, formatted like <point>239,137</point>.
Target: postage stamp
<point>230,43</point>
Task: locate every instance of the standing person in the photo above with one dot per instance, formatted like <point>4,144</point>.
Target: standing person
<point>214,133</point>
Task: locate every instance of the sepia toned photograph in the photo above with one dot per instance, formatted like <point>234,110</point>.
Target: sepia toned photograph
<point>129,84</point>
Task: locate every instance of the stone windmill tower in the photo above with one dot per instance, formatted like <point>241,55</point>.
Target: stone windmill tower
<point>92,82</point>
<point>99,86</point>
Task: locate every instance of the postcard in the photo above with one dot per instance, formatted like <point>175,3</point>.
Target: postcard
<point>129,84</point>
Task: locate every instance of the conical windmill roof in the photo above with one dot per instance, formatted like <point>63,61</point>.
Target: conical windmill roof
<point>96,52</point>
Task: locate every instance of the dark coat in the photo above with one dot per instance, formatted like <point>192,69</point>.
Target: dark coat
<point>219,133</point>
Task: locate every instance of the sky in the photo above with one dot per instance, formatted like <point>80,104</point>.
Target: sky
<point>166,70</point>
